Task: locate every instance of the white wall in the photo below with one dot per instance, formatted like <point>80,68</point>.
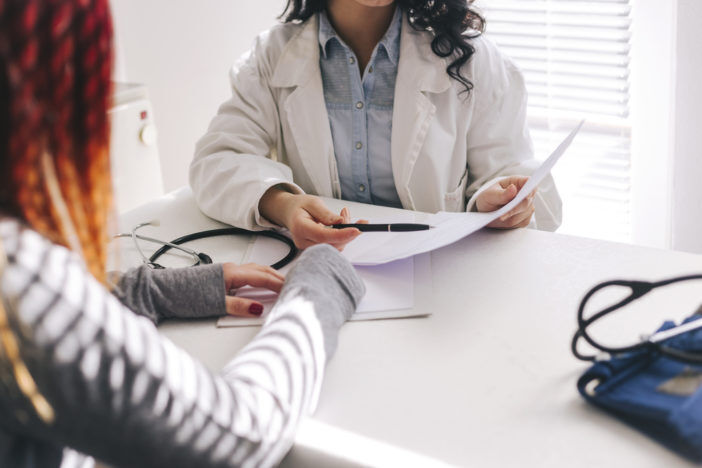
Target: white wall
<point>687,133</point>
<point>667,122</point>
<point>182,50</point>
<point>652,115</point>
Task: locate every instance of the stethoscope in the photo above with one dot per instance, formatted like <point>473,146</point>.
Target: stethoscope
<point>653,343</point>
<point>201,258</point>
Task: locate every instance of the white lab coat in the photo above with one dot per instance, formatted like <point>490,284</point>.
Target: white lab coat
<point>444,147</point>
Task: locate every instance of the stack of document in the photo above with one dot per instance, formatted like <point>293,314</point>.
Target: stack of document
<point>392,289</point>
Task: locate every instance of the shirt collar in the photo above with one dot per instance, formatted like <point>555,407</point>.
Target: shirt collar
<point>390,41</point>
<point>326,32</point>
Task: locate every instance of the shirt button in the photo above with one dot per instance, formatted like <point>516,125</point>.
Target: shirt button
<point>361,188</point>
<point>370,69</point>
<point>359,105</point>
<point>352,60</point>
<point>359,145</point>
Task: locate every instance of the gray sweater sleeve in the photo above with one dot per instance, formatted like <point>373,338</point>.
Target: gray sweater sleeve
<point>126,395</point>
<point>192,292</point>
<point>196,292</point>
<point>318,272</point>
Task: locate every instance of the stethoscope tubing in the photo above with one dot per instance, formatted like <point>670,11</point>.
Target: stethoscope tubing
<point>232,231</point>
<point>201,257</point>
<point>638,289</point>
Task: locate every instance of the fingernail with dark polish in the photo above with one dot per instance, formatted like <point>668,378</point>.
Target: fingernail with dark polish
<point>256,309</point>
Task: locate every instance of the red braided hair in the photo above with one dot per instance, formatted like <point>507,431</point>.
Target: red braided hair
<point>55,67</point>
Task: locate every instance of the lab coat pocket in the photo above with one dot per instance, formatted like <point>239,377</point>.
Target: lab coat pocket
<point>455,200</point>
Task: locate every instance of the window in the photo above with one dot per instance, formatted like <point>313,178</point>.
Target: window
<point>575,56</point>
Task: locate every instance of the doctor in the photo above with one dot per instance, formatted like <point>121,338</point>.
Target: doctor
<point>398,103</point>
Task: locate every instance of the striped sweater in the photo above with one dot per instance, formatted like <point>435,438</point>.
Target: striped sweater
<point>124,394</point>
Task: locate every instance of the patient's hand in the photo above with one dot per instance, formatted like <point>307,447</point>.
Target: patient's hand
<point>307,218</point>
<point>499,194</point>
<point>258,276</point>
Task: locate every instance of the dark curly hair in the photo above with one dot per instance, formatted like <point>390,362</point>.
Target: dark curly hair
<point>452,22</point>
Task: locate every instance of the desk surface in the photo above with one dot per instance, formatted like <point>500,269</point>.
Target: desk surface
<point>488,379</point>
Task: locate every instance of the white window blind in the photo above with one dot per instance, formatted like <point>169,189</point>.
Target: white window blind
<point>575,59</point>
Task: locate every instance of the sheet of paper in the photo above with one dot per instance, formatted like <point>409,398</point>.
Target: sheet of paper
<point>379,248</point>
<point>368,242</point>
<point>388,287</point>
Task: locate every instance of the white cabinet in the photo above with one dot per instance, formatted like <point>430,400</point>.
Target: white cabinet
<point>136,169</point>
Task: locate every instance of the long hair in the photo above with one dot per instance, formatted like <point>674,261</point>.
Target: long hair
<point>55,68</point>
<point>452,22</point>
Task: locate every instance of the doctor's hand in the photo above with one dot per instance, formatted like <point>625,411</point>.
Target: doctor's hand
<point>499,194</point>
<point>307,218</point>
<point>251,274</point>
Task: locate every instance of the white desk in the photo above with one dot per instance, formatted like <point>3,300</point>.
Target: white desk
<point>488,379</point>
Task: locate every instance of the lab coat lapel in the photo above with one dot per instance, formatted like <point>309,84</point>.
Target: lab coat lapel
<point>305,109</point>
<point>419,71</point>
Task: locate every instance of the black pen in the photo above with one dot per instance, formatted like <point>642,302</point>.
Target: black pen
<point>395,227</point>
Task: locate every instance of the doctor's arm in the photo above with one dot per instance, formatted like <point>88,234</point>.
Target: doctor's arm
<point>232,169</point>
<point>235,181</point>
<point>500,153</point>
<point>307,218</point>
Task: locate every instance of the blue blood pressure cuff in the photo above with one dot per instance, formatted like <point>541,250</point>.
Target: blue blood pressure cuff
<point>654,393</point>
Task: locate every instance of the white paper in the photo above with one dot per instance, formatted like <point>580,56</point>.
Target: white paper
<point>382,247</point>
<point>389,287</point>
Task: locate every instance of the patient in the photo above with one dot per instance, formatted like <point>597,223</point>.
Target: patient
<point>84,371</point>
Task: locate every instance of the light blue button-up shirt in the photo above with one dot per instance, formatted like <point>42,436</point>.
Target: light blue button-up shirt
<point>360,112</point>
